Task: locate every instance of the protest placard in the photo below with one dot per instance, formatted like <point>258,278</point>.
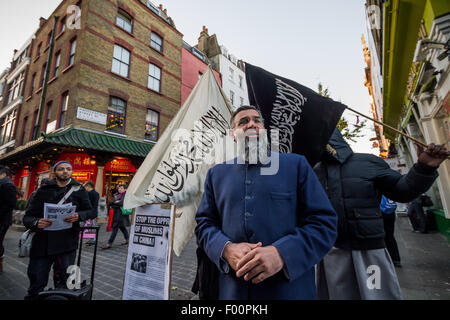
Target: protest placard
<point>148,268</point>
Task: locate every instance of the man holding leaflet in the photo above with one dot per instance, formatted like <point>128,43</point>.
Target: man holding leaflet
<point>57,248</point>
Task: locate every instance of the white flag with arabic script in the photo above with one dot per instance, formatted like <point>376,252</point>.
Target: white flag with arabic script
<point>174,171</point>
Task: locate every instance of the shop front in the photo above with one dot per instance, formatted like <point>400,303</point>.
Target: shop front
<point>117,171</point>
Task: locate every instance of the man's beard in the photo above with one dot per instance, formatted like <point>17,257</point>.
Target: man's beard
<point>62,179</point>
<point>253,149</point>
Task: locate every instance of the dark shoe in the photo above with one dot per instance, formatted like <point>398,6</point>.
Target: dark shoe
<point>90,243</point>
<point>125,243</point>
<point>397,264</point>
<point>106,246</point>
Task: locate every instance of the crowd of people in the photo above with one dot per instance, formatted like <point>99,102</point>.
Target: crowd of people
<point>302,233</point>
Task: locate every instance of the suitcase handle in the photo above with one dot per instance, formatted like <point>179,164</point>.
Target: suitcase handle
<point>97,229</point>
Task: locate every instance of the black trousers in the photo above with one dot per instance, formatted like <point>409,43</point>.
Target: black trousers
<point>39,270</point>
<point>417,217</point>
<point>391,243</point>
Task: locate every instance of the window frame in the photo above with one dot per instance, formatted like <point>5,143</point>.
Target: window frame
<point>8,123</point>
<point>71,56</point>
<point>161,46</point>
<point>126,18</point>
<point>47,118</point>
<point>114,112</point>
<point>57,64</point>
<point>33,84</point>
<point>63,107</point>
<point>158,115</point>
<point>154,78</point>
<point>120,62</point>
<point>24,129</point>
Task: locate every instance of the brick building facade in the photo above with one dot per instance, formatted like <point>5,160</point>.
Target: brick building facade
<point>114,85</point>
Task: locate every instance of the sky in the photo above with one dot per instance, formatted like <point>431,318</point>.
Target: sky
<point>302,40</point>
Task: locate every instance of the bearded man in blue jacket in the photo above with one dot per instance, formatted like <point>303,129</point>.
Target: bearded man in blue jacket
<point>264,232</point>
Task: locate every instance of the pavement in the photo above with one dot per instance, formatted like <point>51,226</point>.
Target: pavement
<point>425,274</point>
<point>109,269</point>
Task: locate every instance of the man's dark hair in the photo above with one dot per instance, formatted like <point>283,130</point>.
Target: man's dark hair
<point>5,170</point>
<point>90,183</point>
<point>242,108</point>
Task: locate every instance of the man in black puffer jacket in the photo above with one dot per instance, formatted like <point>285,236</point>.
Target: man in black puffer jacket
<point>359,266</point>
<point>57,248</point>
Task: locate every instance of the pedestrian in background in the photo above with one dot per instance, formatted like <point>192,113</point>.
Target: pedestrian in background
<point>119,221</point>
<point>388,208</point>
<point>93,198</point>
<point>8,199</point>
<point>57,248</point>
<point>416,215</point>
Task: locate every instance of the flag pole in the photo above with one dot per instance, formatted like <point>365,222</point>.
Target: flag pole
<point>392,128</point>
<point>388,126</point>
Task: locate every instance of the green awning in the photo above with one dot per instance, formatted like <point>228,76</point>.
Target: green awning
<point>87,139</point>
<point>401,29</point>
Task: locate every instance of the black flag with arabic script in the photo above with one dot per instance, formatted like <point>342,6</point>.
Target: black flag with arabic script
<point>304,118</point>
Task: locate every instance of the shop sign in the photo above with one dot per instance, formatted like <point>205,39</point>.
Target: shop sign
<point>79,161</point>
<point>120,165</point>
<point>81,176</point>
<point>91,116</point>
<point>51,127</point>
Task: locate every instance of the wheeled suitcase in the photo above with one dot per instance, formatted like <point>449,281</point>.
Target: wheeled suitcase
<point>86,290</point>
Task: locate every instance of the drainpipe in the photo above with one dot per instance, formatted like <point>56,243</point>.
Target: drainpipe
<point>47,73</point>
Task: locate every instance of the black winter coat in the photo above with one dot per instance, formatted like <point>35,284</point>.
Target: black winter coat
<point>355,182</point>
<point>93,198</point>
<point>8,199</point>
<point>46,243</point>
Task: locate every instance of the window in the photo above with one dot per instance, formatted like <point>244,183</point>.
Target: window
<point>38,50</point>
<point>33,83</point>
<point>41,82</point>
<point>200,75</point>
<point>151,125</point>
<point>64,103</point>
<point>48,116</point>
<point>154,77</point>
<point>125,21</point>
<point>15,88</point>
<point>7,124</point>
<point>121,61</point>
<point>57,63</point>
<point>156,41</point>
<point>73,48</point>
<point>35,126</point>
<point>62,26</point>
<point>232,97</point>
<point>242,102</point>
<point>231,75</point>
<point>152,7</point>
<point>240,81</point>
<point>116,115</point>
<point>49,37</point>
<point>24,128</point>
